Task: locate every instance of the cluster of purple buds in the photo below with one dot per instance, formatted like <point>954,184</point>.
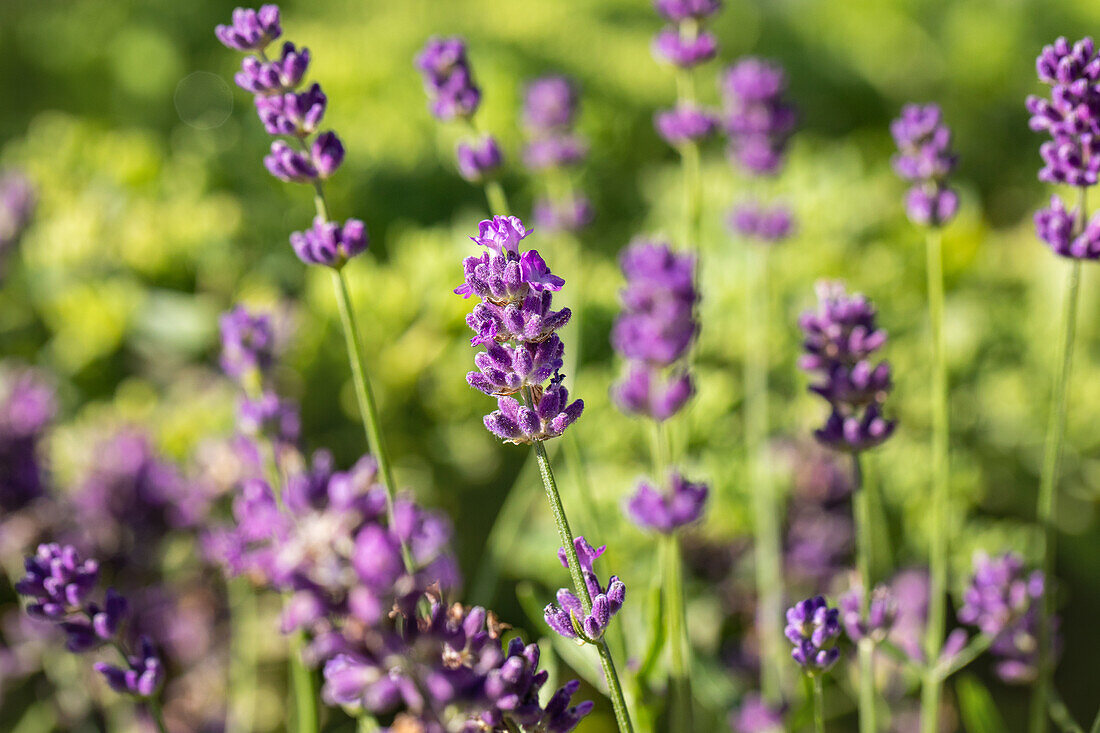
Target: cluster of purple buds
<point>17,202</point>
<point>925,159</point>
<point>569,618</point>
<point>517,325</point>
<point>454,660</point>
<point>687,122</point>
<point>289,112</point>
<point>26,408</point>
<point>680,505</point>
<point>840,338</point>
<point>1072,114</point>
<point>813,628</point>
<point>550,109</point>
<point>882,610</point>
<point>1003,601</point>
<point>1066,233</point>
<point>57,584</point>
<point>655,329</point>
<point>760,223</point>
<point>684,42</point>
<point>757,118</point>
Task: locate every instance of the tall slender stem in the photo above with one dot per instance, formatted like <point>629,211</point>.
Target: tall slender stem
<point>618,702</point>
<point>679,650</point>
<point>819,704</point>
<point>242,657</point>
<point>767,540</point>
<point>305,693</point>
<point>1052,458</point>
<point>494,194</point>
<point>938,546</point>
<point>863,564</point>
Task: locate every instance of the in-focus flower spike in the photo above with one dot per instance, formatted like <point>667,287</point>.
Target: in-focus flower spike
<point>296,114</point>
<point>686,122</point>
<point>681,504</point>
<point>925,159</point>
<point>568,617</point>
<point>327,243</point>
<point>883,609</point>
<point>1072,114</point>
<point>813,628</point>
<point>758,119</point>
<point>840,338</point>
<point>760,223</point>
<point>251,30</point>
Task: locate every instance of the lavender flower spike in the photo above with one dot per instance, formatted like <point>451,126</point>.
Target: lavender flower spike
<point>142,677</point>
<point>925,159</point>
<point>883,611</point>
<point>813,628</point>
<point>758,119</point>
<point>666,512</point>
<point>57,582</point>
<point>251,30</point>
<point>448,79</point>
<point>248,342</point>
<point>1071,116</point>
<point>329,244</point>
<point>568,617</point>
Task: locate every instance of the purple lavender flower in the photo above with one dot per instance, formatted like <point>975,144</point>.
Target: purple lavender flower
<point>559,150</point>
<point>276,76</point>
<point>813,628</point>
<point>57,582</point>
<point>290,165</point>
<point>550,105</point>
<point>758,120</point>
<point>17,203</point>
<point>1066,234</point>
<point>142,677</point>
<point>447,78</point>
<point>514,320</point>
<point>569,615</point>
<point>329,244</point>
<point>27,406</point>
<point>755,221</point>
<point>1000,592</point>
<point>248,342</point>
<point>271,416</point>
<point>755,715</point>
<point>657,324</point>
<point>567,215</point>
<point>883,609</point>
<point>251,30</point>
<point>925,159</point>
<point>684,51</point>
<point>295,114</point>
<point>839,339</point>
<point>1072,114</point>
<point>677,11</point>
<point>479,159</point>
<point>643,391</point>
<point>687,122</point>
<point>681,504</point>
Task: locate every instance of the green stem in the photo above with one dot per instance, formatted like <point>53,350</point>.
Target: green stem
<point>819,704</point>
<point>863,563</point>
<point>1052,457</point>
<point>243,656</point>
<point>157,714</point>
<point>767,539</point>
<point>305,693</point>
<point>937,561</point>
<point>1095,723</point>
<point>679,651</point>
<point>565,534</point>
<point>494,194</point>
<point>1061,715</point>
<point>366,723</point>
<point>968,654</point>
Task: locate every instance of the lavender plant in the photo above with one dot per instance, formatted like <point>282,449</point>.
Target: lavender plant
<point>554,149</point>
<point>813,628</point>
<point>1070,158</point>
<point>925,160</point>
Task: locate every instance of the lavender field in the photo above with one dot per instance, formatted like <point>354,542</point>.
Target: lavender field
<point>456,366</point>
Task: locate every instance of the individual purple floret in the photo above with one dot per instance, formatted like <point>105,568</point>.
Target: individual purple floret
<point>681,504</point>
<point>17,203</point>
<point>883,609</point>
<point>248,342</point>
<point>813,629</point>
<point>516,323</point>
<point>687,122</point>
<point>755,715</point>
<point>678,11</point>
<point>251,30</point>
<point>840,338</point>
<point>758,119</point>
<point>276,76</point>
<point>1072,114</point>
<point>569,614</point>
<point>142,678</point>
<point>1000,592</point>
<point>295,114</point>
<point>925,159</point>
<point>1065,232</point>
<point>643,391</point>
<point>550,105</point>
<point>479,159</point>
<point>329,244</point>
<point>685,51</point>
<point>27,406</point>
<point>760,223</point>
<point>447,78</point>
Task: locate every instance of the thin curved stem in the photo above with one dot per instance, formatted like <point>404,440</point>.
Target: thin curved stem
<point>304,689</point>
<point>1052,458</point>
<point>863,564</point>
<point>565,534</point>
<point>156,714</point>
<point>968,654</point>
<point>679,650</point>
<point>937,560</point>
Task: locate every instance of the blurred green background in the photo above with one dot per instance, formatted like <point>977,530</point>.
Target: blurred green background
<point>156,214</point>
